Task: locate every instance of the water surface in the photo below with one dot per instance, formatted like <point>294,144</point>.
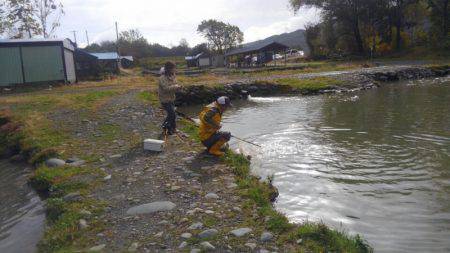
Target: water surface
<point>22,214</point>
<point>376,162</point>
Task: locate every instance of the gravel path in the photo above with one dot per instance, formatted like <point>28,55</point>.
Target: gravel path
<point>194,195</point>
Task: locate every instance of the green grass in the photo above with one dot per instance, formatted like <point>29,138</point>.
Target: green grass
<point>148,97</point>
<point>310,85</point>
<point>158,62</point>
<point>109,132</point>
<point>87,100</point>
<point>317,237</point>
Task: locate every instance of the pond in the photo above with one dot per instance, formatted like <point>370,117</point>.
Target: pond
<point>374,163</point>
<point>22,215</point>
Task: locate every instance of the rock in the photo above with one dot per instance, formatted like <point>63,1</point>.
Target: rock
<point>55,163</point>
<point>266,236</point>
<point>175,188</point>
<point>212,196</point>
<point>73,159</point>
<point>186,235</point>
<point>183,245</point>
<point>264,251</point>
<point>97,248</point>
<point>195,251</point>
<point>232,186</point>
<point>72,197</point>
<point>107,178</point>
<point>75,162</point>
<point>299,241</point>
<point>197,225</point>
<point>159,206</point>
<point>134,246</point>
<point>241,232</point>
<point>82,224</point>
<point>209,212</point>
<point>237,209</point>
<point>160,234</point>
<point>208,233</point>
<point>85,212</point>
<point>116,156</point>
<point>207,246</point>
<point>251,245</point>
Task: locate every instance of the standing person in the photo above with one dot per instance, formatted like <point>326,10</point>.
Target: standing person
<point>166,91</point>
<point>210,124</point>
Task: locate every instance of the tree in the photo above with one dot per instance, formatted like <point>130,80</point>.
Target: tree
<point>2,18</point>
<point>440,10</point>
<point>221,36</point>
<point>21,19</point>
<point>48,14</point>
<point>347,12</point>
<point>131,42</point>
<point>200,48</point>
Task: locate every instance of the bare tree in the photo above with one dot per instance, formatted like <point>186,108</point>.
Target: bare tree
<point>48,13</point>
<point>21,20</point>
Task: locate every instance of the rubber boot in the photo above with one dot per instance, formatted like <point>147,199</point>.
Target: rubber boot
<point>215,149</point>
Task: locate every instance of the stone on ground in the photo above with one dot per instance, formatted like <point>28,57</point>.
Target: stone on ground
<point>251,245</point>
<point>266,236</point>
<point>55,162</point>
<point>241,232</point>
<point>208,233</point>
<point>197,225</point>
<point>212,196</point>
<point>97,248</point>
<point>207,246</point>
<point>183,245</point>
<point>134,246</point>
<point>159,206</point>
<point>186,235</point>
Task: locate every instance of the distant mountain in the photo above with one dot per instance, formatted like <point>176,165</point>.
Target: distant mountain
<point>295,40</point>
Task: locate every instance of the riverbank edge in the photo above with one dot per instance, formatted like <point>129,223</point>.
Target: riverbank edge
<point>13,145</point>
<point>200,94</point>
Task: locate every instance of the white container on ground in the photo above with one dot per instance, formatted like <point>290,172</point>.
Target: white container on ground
<point>153,145</point>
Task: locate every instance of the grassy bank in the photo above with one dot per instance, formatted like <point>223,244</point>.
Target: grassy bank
<point>306,237</point>
<point>41,124</point>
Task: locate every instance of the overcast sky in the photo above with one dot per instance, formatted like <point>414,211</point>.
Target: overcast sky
<point>168,21</point>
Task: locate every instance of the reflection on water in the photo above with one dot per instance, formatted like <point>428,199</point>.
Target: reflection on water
<point>375,163</point>
<point>21,212</point>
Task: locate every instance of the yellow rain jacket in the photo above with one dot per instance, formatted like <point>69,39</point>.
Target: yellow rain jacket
<point>210,119</point>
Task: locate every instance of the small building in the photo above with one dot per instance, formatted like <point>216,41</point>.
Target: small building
<point>255,54</point>
<point>108,62</point>
<point>193,61</point>
<point>27,61</point>
<point>86,65</point>
<point>205,60</point>
<point>126,61</point>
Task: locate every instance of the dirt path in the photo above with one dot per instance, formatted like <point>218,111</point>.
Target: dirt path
<point>201,189</point>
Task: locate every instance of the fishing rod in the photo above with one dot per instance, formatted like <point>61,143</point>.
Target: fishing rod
<point>195,123</point>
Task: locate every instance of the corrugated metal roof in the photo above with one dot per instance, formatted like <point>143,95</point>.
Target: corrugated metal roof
<point>106,56</point>
<point>253,47</point>
<point>66,42</point>
<point>130,58</point>
<point>187,58</point>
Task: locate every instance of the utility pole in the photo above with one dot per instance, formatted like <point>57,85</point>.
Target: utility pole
<point>117,46</point>
<point>87,38</point>
<point>75,36</point>
<point>117,39</point>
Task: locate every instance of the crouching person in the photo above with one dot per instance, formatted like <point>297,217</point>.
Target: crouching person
<point>210,124</point>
